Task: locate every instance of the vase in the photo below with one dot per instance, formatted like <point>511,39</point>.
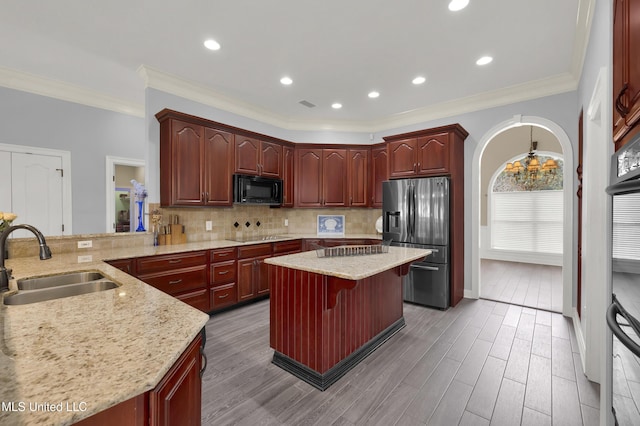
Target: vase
<point>140,227</point>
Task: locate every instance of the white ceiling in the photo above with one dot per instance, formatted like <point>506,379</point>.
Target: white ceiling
<point>334,50</point>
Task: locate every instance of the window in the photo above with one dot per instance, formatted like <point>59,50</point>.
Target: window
<point>527,220</point>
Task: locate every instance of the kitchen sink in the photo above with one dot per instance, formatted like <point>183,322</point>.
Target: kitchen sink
<point>59,292</point>
<point>38,283</point>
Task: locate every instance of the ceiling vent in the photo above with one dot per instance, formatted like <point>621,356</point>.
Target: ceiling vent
<point>307,104</point>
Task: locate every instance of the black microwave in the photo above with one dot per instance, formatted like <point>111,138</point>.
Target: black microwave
<point>257,190</point>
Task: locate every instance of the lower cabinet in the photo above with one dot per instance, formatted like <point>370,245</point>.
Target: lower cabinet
<point>223,272</point>
<point>253,278</point>
<point>175,401</point>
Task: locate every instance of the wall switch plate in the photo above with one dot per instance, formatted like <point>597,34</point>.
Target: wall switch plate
<point>86,258</point>
<point>286,222</point>
<point>85,244</point>
<point>208,225</point>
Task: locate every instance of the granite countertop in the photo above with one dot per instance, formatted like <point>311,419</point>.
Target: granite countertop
<point>350,267</point>
<point>87,353</point>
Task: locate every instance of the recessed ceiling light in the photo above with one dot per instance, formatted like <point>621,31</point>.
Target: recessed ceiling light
<point>336,105</point>
<point>373,94</point>
<point>212,44</point>
<point>419,80</point>
<point>286,81</point>
<point>456,5</point>
<point>484,60</point>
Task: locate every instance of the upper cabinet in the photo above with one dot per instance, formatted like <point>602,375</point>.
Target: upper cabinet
<point>378,172</point>
<point>423,153</point>
<point>358,177</point>
<point>321,177</point>
<point>194,163</point>
<point>626,69</point>
<point>256,157</point>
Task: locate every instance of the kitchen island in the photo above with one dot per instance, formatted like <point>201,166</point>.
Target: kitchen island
<point>328,313</point>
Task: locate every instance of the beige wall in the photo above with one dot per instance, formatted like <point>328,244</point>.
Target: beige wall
<point>505,146</point>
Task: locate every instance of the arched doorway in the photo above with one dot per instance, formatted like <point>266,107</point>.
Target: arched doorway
<point>567,152</point>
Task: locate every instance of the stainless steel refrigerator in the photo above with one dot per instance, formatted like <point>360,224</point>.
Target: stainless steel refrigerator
<point>415,213</point>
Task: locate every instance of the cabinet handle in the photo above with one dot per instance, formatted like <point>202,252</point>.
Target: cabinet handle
<point>223,272</point>
<point>206,197</point>
<point>223,296</point>
<point>175,281</point>
<point>622,110</point>
<point>418,168</point>
<point>202,196</point>
<point>175,261</point>
<point>205,361</point>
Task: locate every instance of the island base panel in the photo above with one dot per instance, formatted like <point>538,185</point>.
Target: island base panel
<point>323,381</point>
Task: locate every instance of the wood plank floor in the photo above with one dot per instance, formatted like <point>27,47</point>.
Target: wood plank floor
<point>480,363</point>
<point>525,284</point>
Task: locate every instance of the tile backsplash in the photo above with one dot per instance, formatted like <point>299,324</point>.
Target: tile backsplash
<point>271,222</point>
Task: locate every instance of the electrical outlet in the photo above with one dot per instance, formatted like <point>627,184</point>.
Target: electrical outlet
<point>286,222</point>
<point>208,225</point>
<point>85,244</point>
<point>86,258</point>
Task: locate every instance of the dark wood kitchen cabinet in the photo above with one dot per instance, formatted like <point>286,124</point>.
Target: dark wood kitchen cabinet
<point>426,155</point>
<point>223,272</point>
<point>358,177</point>
<point>176,400</point>
<point>256,157</point>
<point>194,163</point>
<point>626,70</point>
<point>253,278</point>
<point>378,172</point>
<point>321,177</point>
<point>125,265</point>
<point>288,177</point>
<point>183,276</point>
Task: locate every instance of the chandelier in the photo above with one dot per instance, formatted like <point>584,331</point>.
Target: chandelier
<point>528,172</point>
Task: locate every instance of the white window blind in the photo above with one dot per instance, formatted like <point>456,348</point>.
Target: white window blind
<point>626,226</point>
<point>527,221</point>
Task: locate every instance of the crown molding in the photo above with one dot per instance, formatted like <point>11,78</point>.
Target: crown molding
<point>56,89</point>
<point>531,90</point>
<point>586,9</point>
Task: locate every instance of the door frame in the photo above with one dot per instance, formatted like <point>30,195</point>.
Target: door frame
<point>568,226</point>
<point>110,168</point>
<point>67,205</point>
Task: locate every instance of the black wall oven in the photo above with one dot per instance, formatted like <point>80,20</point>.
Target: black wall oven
<point>623,314</point>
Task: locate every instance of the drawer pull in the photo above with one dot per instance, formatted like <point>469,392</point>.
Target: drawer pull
<point>222,297</point>
<point>175,261</point>
<point>223,272</point>
<point>175,281</point>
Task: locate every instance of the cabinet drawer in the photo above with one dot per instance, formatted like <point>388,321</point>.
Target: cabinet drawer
<point>287,246</point>
<point>223,272</point>
<point>256,250</point>
<point>179,280</point>
<point>199,299</point>
<point>224,295</point>
<point>223,254</point>
<point>170,262</point>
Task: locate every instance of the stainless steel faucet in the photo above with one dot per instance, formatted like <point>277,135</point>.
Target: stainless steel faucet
<point>5,274</point>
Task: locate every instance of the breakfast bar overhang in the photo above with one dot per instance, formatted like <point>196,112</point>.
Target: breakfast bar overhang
<point>328,314</point>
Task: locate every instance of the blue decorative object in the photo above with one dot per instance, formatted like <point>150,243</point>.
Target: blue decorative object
<point>140,227</point>
<point>330,224</point>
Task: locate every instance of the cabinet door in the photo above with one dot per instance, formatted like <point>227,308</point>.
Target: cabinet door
<point>287,176</point>
<point>358,177</point>
<point>308,177</point>
<point>433,154</point>
<point>633,61</point>
<point>334,178</point>
<point>378,174</point>
<point>619,69</point>
<point>402,158</point>
<point>246,279</point>
<point>125,265</point>
<point>218,155</point>
<point>247,155</point>
<point>177,398</point>
<point>262,276</point>
<point>186,154</point>
<point>270,160</point>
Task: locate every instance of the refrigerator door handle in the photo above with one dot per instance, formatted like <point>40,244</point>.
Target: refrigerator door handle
<point>426,268</point>
<point>413,211</point>
<point>409,212</point>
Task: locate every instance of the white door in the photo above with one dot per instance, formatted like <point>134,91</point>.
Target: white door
<point>36,183</point>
